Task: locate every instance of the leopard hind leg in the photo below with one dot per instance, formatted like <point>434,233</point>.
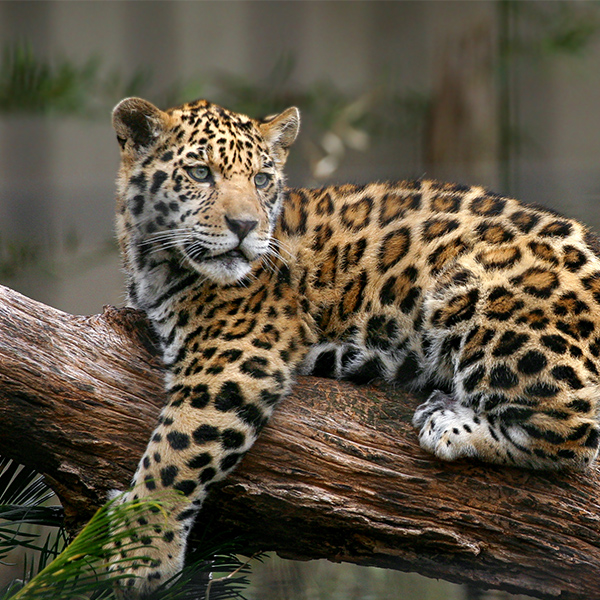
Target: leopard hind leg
<point>509,403</point>
<point>511,435</point>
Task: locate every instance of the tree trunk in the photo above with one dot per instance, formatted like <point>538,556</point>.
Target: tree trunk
<point>337,474</point>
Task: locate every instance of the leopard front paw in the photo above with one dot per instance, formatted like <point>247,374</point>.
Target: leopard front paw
<point>141,571</point>
<point>146,547</point>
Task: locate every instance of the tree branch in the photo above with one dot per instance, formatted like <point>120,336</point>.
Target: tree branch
<point>340,464</point>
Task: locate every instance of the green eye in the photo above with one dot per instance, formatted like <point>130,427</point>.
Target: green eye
<point>262,180</point>
<point>200,173</point>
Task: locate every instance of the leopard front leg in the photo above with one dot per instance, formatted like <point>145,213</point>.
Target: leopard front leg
<point>215,412</point>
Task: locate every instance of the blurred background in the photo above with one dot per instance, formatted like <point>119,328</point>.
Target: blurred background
<point>501,93</point>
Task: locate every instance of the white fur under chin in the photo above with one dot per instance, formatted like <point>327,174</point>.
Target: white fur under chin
<point>223,271</point>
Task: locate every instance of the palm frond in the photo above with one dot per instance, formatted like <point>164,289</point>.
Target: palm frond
<point>21,485</point>
<point>48,516</point>
<point>81,568</point>
<point>213,571</point>
<point>51,548</point>
<point>23,492</point>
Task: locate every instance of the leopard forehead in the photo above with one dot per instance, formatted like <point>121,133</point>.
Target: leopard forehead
<point>210,133</point>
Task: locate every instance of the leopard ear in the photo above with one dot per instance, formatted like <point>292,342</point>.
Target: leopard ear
<point>138,122</point>
<point>280,131</point>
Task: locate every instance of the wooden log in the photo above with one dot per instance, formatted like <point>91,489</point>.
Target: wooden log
<point>337,473</point>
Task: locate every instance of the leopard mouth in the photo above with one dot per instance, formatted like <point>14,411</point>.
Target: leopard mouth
<point>231,254</point>
<point>230,260</point>
<point>200,255</point>
<point>224,268</point>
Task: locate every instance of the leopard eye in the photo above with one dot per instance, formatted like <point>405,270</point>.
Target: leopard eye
<point>200,173</point>
<point>262,180</point>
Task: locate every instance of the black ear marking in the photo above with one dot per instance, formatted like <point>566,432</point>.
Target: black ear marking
<point>139,121</point>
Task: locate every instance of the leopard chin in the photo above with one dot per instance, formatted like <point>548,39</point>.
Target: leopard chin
<point>225,269</point>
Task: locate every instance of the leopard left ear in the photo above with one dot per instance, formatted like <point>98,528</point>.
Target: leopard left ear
<point>280,132</point>
<point>139,122</point>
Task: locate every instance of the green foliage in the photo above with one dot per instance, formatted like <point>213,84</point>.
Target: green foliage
<point>322,102</point>
<point>534,33</point>
<point>30,84</point>
<point>23,494</point>
<point>571,31</point>
<point>547,29</point>
<point>56,570</point>
<point>213,572</point>
<point>16,257</point>
<point>80,569</point>
<point>334,122</point>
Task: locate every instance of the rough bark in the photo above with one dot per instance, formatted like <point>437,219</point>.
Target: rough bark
<point>337,474</point>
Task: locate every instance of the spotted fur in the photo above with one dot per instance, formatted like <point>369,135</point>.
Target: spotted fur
<point>493,304</point>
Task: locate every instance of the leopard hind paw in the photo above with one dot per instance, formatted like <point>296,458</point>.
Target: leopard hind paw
<point>446,428</point>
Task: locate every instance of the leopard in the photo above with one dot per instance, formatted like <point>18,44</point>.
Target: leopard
<point>488,306</point>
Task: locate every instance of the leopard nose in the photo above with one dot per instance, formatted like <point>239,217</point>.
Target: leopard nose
<point>241,227</point>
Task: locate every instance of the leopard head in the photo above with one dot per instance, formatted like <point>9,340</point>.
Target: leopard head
<point>202,182</point>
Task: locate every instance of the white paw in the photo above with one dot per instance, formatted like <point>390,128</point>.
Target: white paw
<point>438,401</point>
<point>446,429</point>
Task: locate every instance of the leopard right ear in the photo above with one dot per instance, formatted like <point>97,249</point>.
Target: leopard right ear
<point>137,123</point>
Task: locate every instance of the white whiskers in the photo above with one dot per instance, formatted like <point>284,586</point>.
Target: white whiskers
<point>274,254</point>
<point>165,240</point>
<point>280,247</point>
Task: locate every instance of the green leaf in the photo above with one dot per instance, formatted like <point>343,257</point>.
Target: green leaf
<point>21,485</point>
<point>81,569</point>
<point>32,84</point>
<point>23,491</point>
